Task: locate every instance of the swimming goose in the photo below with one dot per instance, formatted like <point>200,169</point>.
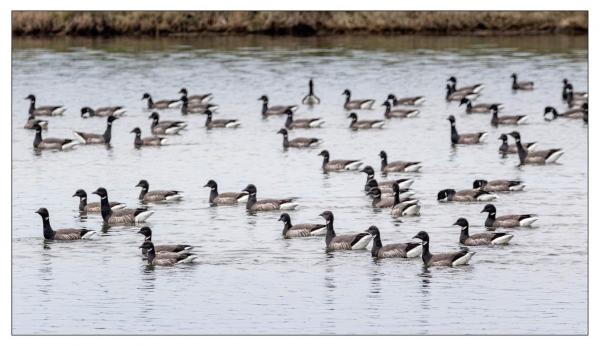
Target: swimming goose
<point>162,104</point>
<point>338,165</point>
<point>480,107</point>
<point>397,166</point>
<point>356,241</point>
<point>43,110</point>
<point>202,98</point>
<point>388,190</point>
<point>550,113</point>
<point>475,88</point>
<point>404,183</point>
<point>356,124</point>
<point>225,198</point>
<point>408,101</point>
<point>505,148</point>
<point>307,123</point>
<point>165,127</point>
<point>95,138</point>
<point>388,202</point>
<point>402,250</point>
<point>176,248</point>
<point>219,123</point>
<point>146,141</point>
<point>459,95</point>
<point>406,208</point>
<point>356,104</point>
<point>300,230</point>
<point>311,98</point>
<point>102,111</point>
<point>62,234</point>
<point>274,110</point>
<point>469,195</point>
<point>195,108</point>
<point>465,138</point>
<point>539,157</point>
<point>298,142</point>
<point>121,216</point>
<point>486,238</point>
<point>51,143</point>
<point>153,259</point>
<point>93,207</point>
<point>568,87</point>
<point>507,119</point>
<point>450,259</point>
<point>399,113</point>
<point>500,185</point>
<point>157,195</point>
<point>507,221</point>
<point>520,85</point>
<point>267,204</point>
<point>32,121</point>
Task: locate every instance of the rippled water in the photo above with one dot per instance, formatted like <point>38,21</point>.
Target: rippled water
<point>249,280</point>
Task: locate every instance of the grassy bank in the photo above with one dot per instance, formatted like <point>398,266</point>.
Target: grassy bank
<point>34,23</point>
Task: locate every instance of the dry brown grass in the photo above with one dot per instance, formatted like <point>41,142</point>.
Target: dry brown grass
<point>295,22</point>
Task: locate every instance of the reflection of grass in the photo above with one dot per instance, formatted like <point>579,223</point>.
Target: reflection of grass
<point>300,23</point>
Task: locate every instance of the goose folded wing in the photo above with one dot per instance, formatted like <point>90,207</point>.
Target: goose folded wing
<point>394,250</point>
<point>447,258</point>
<point>69,234</point>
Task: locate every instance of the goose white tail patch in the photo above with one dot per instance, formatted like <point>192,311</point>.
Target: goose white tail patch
<point>120,112</point>
<point>43,123</point>
<point>472,97</point>
<point>163,141</point>
<point>143,216</point>
<point>463,260</point>
<point>89,234</point>
<point>532,147</point>
<point>288,206</point>
<point>353,166</point>
<point>413,113</point>
<point>523,120</point>
<point>548,116</point>
<point>244,198</point>
<point>69,145</point>
<point>176,197</point>
<point>419,101</point>
<point>406,184</point>
<point>483,137</point>
<point>412,168</point>
<point>232,124</point>
<point>505,239</point>
<point>478,89</point>
<point>188,259</point>
<point>362,243</point>
<point>378,124</point>
<point>519,187</point>
<point>317,123</point>
<point>79,137</point>
<point>554,157</point>
<point>528,221</point>
<point>118,206</point>
<point>59,111</point>
<point>175,104</point>
<point>487,197</point>
<point>406,194</point>
<point>413,210</point>
<point>417,251</point>
<point>320,231</point>
<point>173,130</point>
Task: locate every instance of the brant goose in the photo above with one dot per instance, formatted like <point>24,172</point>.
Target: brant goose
<point>450,259</point>
<point>356,241</point>
<point>93,207</point>
<point>399,113</point>
<point>307,123</point>
<point>220,123</point>
<point>397,166</point>
<point>568,88</point>
<point>388,189</point>
<point>388,202</point>
<point>121,216</point>
<point>267,204</point>
<point>226,198</point>
<point>146,141</point>
<point>356,104</point>
<point>274,110</point>
<point>202,98</point>
<point>486,238</point>
<point>32,121</point>
<point>469,195</point>
<point>465,138</point>
<point>550,113</point>
<point>43,110</point>
<point>162,104</point>
<point>338,165</point>
<point>520,85</point>
<point>194,108</point>
<point>505,148</point>
<point>475,88</point>
<point>407,101</point>
<point>364,124</point>
<point>402,250</point>
<point>311,98</point>
<point>300,230</point>
<point>102,111</point>
<point>157,195</point>
<point>176,248</point>
<point>480,107</point>
<point>459,95</point>
<point>165,258</point>
<point>95,138</point>
<point>62,234</point>
<point>539,157</point>
<point>404,183</point>
<point>406,208</point>
<point>298,142</point>
<point>507,221</point>
<point>498,185</point>
<point>506,119</point>
<point>51,143</point>
<point>165,127</point>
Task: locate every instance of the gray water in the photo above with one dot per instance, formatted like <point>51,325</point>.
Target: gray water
<point>248,280</point>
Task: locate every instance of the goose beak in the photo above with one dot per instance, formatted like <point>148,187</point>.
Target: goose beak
<point>75,195</point>
<point>455,224</point>
<point>96,193</point>
<point>205,185</point>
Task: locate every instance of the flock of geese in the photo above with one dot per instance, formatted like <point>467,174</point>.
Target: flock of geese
<point>394,194</point>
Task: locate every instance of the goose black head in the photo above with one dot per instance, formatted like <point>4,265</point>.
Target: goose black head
<point>503,137</point>
<point>462,222</point>
<point>136,130</point>
<point>212,184</point>
<point>80,193</point>
<point>494,108</point>
<point>423,236</point>
<point>30,97</point>
<point>147,245</point>
<point>569,87</point>
<point>374,192</point>
<point>346,92</point>
<point>395,187</point>
<point>288,112</point>
<point>373,230</point>
<point>285,217</point>
<point>383,154</point>
<point>391,97</point>
<point>549,109</point>
<point>143,184</point>
<point>111,118</point>
<point>445,194</point>
<point>353,116</point>
<point>489,208</point>
<point>463,101</point>
<point>386,104</point>
<point>146,231</point>
<point>283,132</point>
<point>372,183</point>
<point>516,135</point>
<point>263,98</point>
<point>369,170</point>
<point>451,119</point>
<point>513,76</point>
<point>584,106</point>
<point>251,189</point>
<point>154,116</point>
<point>43,212</point>
<point>145,96</point>
<point>85,110</point>
<point>327,215</point>
<point>565,82</point>
<point>324,153</point>
<point>183,91</point>
<point>101,192</point>
<point>38,128</point>
<point>207,112</point>
<point>479,183</point>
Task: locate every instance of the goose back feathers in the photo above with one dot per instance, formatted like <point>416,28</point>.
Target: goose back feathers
<point>61,234</point>
<point>307,123</point>
<point>449,259</point>
<point>486,238</point>
<point>469,195</point>
<point>252,204</point>
<point>95,138</point>
<point>401,250</point>
<point>225,198</point>
<point>298,142</point>
<point>397,166</point>
<point>51,143</point>
<point>357,241</point>
<point>274,110</point>
<point>350,104</point>
<point>121,216</point>
<point>300,230</point>
<point>165,259</point>
<point>43,110</point>
<point>538,157</point>
<point>338,165</point>
<point>507,221</point>
<point>176,248</point>
<point>356,124</point>
<point>146,141</point>
<point>157,195</point>
<point>465,138</point>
